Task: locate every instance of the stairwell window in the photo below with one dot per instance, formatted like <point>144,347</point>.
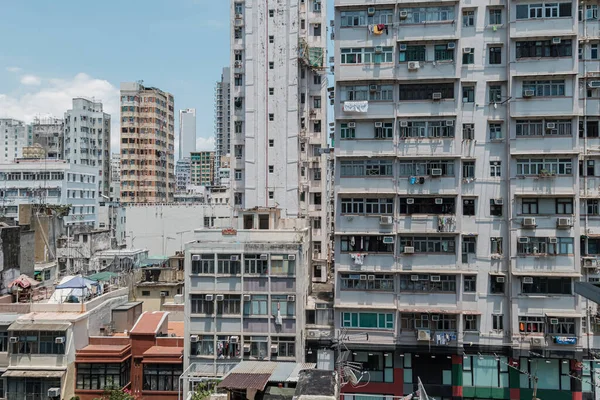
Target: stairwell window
<point>468,18</point>
<point>495,169</point>
<point>468,56</point>
<point>495,129</point>
<point>495,55</point>
<point>495,15</point>
<point>468,169</point>
<point>496,245</point>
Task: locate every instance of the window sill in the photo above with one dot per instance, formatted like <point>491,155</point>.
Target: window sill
<point>535,59</point>
<point>448,22</point>
<point>391,291</point>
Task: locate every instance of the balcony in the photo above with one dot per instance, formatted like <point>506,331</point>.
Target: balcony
<point>427,262</point>
<point>426,70</point>
<point>542,106</point>
<point>422,223</point>
<point>542,265</point>
<point>542,145</point>
<point>418,147</point>
<point>365,147</point>
<point>552,65</point>
<point>363,223</point>
<point>431,185</point>
<point>426,108</point>
<point>544,185</point>
<point>535,28</point>
<point>428,31</point>
<point>361,184</point>
<point>364,299</point>
<point>383,262</point>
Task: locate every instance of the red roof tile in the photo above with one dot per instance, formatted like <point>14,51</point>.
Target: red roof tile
<point>163,351</point>
<point>149,323</point>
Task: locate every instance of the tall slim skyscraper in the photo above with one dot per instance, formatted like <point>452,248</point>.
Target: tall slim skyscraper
<point>222,119</point>
<point>147,144</point>
<point>87,139</point>
<point>187,132</point>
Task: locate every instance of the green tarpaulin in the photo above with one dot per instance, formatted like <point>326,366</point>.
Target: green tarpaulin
<point>102,276</point>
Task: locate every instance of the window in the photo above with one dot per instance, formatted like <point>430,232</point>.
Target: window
<point>317,30</point>
<point>271,65</point>
<point>470,282</point>
<point>495,55</point>
<point>543,245</point>
<point>495,208</point>
<point>271,169</point>
<point>468,207</point>
<point>561,326</point>
<point>593,207</point>
<point>425,91</point>
<point>495,16</point>
<point>418,15</point>
<point>468,93</point>
<point>100,376</point>
<point>317,79</point>
<point>429,244</point>
<point>495,93</point>
<point>228,264</point>
<point>555,166</point>
<point>316,223</point>
<point>271,39</point>
<point>544,88</point>
<point>412,53</point>
<point>468,56</point>
<point>385,131</point>
<point>201,304</point>
<point>205,346</point>
<point>346,132</point>
<point>468,169</point>
<point>427,205</point>
<point>286,346</point>
<point>257,305</point>
<point>271,117</point>
<point>548,10</point>
<point>255,264</point>
<point>428,283</point>
<point>281,305</point>
<point>423,167</point>
<point>495,129</point>
<point>271,91</point>
<point>423,321</point>
<point>353,18</point>
<point>317,102</point>
<point>468,131</point>
<point>496,245</point>
<point>226,348</point>
<point>367,282</point>
<point>428,129</point>
<point>366,168</point>
<point>381,92</point>
<point>495,169</point>
<point>564,206</point>
<point>532,324</point>
<point>3,342</point>
<point>497,284</point>
<point>373,244</point>
<point>282,265</point>
<point>544,48</point>
<point>469,247</point>
<point>380,366</point>
<point>468,18</point>
<point>271,195</point>
<point>38,342</point>
<point>258,346</point>
<point>271,143</point>
<point>543,285</point>
<point>162,377</point>
<point>237,174</point>
<point>442,52</point>
<point>470,322</point>
<point>589,130</point>
<point>594,51</point>
<point>367,320</point>
<point>497,322</point>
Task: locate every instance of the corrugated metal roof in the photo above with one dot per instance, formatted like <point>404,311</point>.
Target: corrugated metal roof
<point>245,381</point>
<point>299,367</point>
<point>254,367</point>
<point>32,373</point>
<point>282,371</point>
<point>38,326</point>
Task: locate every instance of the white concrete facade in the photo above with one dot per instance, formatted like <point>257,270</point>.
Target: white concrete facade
<point>87,139</point>
<point>187,132</point>
<point>52,182</point>
<point>222,121</point>
<point>14,137</point>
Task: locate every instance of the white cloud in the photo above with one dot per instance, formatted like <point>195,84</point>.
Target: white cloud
<point>203,143</point>
<point>54,97</point>
<point>14,69</point>
<point>31,80</point>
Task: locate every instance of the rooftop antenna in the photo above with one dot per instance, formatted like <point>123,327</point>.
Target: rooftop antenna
<point>350,372</point>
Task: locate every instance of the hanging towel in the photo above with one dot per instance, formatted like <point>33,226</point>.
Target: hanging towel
<point>413,180</point>
<point>377,30</point>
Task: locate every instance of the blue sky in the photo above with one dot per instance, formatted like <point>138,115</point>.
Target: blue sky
<point>55,50</point>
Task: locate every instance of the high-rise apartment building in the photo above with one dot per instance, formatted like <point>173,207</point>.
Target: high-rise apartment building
<point>14,134</point>
<point>48,132</point>
<point>115,176</point>
<point>466,189</point>
<point>87,139</point>
<point>187,132</point>
<point>182,174</point>
<point>222,120</point>
<point>147,144</point>
<point>202,168</point>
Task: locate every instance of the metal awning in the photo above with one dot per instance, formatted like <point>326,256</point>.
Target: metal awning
<point>565,274</point>
<point>563,314</point>
<point>33,373</point>
<point>7,319</point>
<point>38,326</point>
<point>497,273</point>
<point>245,381</point>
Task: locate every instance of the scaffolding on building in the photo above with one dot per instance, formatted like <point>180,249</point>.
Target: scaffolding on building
<point>313,57</point>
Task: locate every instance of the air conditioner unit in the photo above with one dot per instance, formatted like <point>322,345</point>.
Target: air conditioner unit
<point>54,392</point>
<point>351,124</point>
<point>388,239</point>
<point>247,297</point>
<point>403,47</point>
<point>239,22</point>
<point>451,45</point>
<point>556,40</point>
<point>528,93</point>
<point>371,11</point>
<point>528,280</point>
<point>363,277</point>
<point>553,240</point>
<point>234,339</point>
<point>413,65</point>
<point>378,49</point>
<point>291,257</point>
<point>498,202</point>
<point>538,342</point>
<point>220,297</point>
<point>370,277</point>
<point>469,317</point>
<point>439,200</point>
<point>414,278</point>
<point>450,122</point>
<point>13,339</point>
<point>594,84</point>
<point>589,262</point>
<point>209,297</point>
<point>435,318</point>
<point>274,349</point>
<point>196,258</point>
<point>467,50</point>
<point>194,338</point>
<point>234,258</point>
<point>403,14</point>
<point>563,222</point>
<point>59,340</point>
<point>523,240</point>
<point>378,124</point>
<point>436,172</point>
<point>264,257</point>
<point>372,88</point>
<point>436,96</point>
<point>435,278</point>
<point>529,221</point>
<point>550,125</point>
<point>246,348</point>
<point>553,321</point>
<point>500,279</point>
<point>385,220</point>
<point>410,200</point>
<point>403,124</point>
<point>423,335</point>
<point>409,249</point>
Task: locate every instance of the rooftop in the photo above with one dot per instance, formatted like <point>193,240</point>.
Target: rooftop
<point>256,374</point>
<point>149,323</point>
